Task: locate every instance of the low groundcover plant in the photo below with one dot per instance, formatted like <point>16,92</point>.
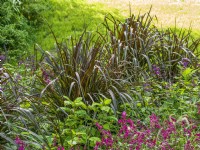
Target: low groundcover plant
<point>170,135</point>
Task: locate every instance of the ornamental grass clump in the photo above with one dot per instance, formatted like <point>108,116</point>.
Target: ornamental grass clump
<point>137,45</point>
<point>79,68</point>
<point>172,134</point>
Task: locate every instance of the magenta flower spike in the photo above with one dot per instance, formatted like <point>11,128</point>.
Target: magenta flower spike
<point>154,123</point>
<point>123,115</point>
<point>21,145</point>
<point>60,148</point>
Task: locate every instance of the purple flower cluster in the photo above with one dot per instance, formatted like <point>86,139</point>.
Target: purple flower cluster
<point>156,70</point>
<point>147,87</point>
<point>187,132</point>
<point>45,76</point>
<point>165,146</point>
<point>185,62</point>
<point>129,132</point>
<point>21,145</point>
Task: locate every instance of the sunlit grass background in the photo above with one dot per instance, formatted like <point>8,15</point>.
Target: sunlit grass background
<point>69,17</point>
<point>185,13</point>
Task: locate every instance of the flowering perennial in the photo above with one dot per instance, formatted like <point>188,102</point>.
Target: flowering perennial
<point>137,136</point>
<point>21,145</point>
<point>156,70</point>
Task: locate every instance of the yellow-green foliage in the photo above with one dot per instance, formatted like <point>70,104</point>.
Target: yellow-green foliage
<point>68,17</point>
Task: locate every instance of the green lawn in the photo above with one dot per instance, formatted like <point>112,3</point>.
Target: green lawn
<point>72,17</point>
<point>69,17</point>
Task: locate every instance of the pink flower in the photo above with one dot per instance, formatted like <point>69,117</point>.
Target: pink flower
<point>127,126</point>
<point>21,145</point>
<point>187,132</point>
<point>198,137</point>
<point>123,115</point>
<point>97,145</point>
<point>60,148</point>
<point>165,146</point>
<point>165,134</point>
<point>172,119</point>
<point>99,126</point>
<point>154,121</point>
<point>188,146</point>
<point>151,143</point>
<point>106,139</point>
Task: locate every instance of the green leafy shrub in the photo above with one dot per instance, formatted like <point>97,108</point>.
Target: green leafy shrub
<point>32,10</point>
<point>18,21</point>
<point>13,31</point>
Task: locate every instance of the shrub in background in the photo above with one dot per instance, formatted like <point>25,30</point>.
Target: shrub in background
<point>18,21</point>
<point>32,10</point>
<point>13,31</point>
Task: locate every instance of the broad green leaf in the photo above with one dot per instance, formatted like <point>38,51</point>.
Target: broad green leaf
<point>67,98</point>
<point>81,113</point>
<point>105,108</point>
<point>94,140</point>
<point>139,104</point>
<point>79,104</point>
<point>187,73</point>
<point>106,126</point>
<point>107,101</point>
<point>66,131</point>
<point>112,118</point>
<point>96,104</point>
<point>67,103</point>
<point>25,105</point>
<point>66,109</point>
<point>78,99</point>
<point>72,142</point>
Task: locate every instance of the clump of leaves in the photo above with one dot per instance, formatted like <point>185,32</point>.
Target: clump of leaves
<point>79,69</point>
<point>141,50</point>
